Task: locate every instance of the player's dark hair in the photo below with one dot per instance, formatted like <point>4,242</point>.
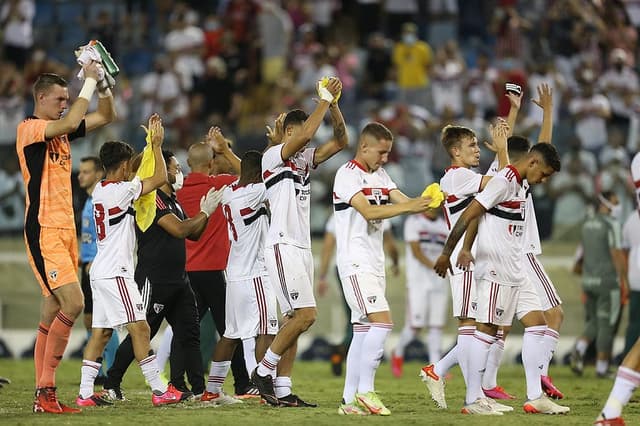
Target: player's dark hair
<point>251,167</point>
<point>549,154</point>
<point>46,81</point>
<point>97,164</point>
<point>166,154</point>
<point>114,153</point>
<point>294,117</point>
<point>452,136</point>
<point>378,131</point>
<point>517,146</point>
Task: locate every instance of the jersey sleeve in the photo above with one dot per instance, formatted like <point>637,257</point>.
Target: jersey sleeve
<point>411,232</point>
<point>626,233</point>
<point>128,192</point>
<point>162,209</point>
<point>466,182</point>
<point>80,132</point>
<point>219,181</point>
<point>391,185</point>
<point>330,227</point>
<point>493,168</point>
<point>346,185</point>
<point>258,195</point>
<point>272,158</point>
<point>496,191</point>
<point>31,131</point>
<point>309,156</point>
<point>614,234</point>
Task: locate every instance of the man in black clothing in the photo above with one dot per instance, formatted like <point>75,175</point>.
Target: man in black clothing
<point>163,282</point>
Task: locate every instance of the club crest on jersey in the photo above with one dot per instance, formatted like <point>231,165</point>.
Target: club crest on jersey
<point>516,230</point>
<point>53,275</point>
<point>139,306</point>
<point>294,294</point>
<point>499,312</point>
<point>372,299</point>
<point>157,308</point>
<point>474,306</point>
<point>377,195</point>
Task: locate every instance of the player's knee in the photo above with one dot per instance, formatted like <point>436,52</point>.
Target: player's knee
<point>72,308</point>
<point>139,330</point>
<point>306,318</point>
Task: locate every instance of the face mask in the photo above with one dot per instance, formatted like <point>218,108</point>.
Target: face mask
<point>616,209</point>
<point>409,38</point>
<point>177,185</point>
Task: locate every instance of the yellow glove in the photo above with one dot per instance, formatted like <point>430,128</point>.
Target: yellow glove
<point>437,196</point>
<point>323,84</point>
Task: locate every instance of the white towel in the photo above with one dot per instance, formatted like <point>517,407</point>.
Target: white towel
<point>86,54</point>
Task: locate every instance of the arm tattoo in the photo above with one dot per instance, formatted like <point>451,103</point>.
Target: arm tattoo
<point>339,131</point>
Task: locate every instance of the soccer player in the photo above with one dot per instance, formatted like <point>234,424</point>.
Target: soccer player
<point>90,173</point>
<point>213,165</point>
<point>364,195</point>
<point>286,166</point>
<point>551,303</point>
<point>44,153</point>
<point>117,300</point>
<point>604,272</point>
<point>503,289</point>
<point>250,309</point>
<point>427,293</point>
<point>461,184</point>
<point>160,274</point>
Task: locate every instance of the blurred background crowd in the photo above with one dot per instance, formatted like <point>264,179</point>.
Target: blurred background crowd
<point>414,65</point>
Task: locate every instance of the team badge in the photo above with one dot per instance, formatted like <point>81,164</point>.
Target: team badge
<point>273,322</point>
<point>294,294</point>
<point>499,312</point>
<point>377,195</point>
<point>53,275</point>
<point>474,306</point>
<point>139,306</point>
<point>372,299</point>
<point>157,308</point>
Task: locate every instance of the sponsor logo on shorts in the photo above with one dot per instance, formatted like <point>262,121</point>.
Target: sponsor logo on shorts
<point>474,306</point>
<point>157,308</point>
<point>53,275</point>
<point>372,299</point>
<point>273,322</point>
<point>123,269</point>
<point>294,294</point>
<point>140,307</point>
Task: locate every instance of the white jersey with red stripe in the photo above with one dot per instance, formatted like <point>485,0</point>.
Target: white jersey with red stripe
<point>635,175</point>
<point>531,238</point>
<point>461,185</point>
<point>499,256</point>
<point>115,228</point>
<point>288,186</point>
<point>245,209</point>
<point>431,235</point>
<point>359,241</point>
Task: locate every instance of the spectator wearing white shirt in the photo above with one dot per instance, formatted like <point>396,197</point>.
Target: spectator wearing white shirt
<point>590,111</point>
<point>16,21</point>
<point>620,83</point>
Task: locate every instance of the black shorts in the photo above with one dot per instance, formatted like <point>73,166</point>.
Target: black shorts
<point>85,284</point>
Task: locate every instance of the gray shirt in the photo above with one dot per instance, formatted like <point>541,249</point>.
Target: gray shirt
<point>600,234</point>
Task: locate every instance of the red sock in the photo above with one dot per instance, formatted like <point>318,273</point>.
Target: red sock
<point>56,344</point>
<point>38,350</point>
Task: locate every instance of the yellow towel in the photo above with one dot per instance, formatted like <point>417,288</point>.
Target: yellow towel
<point>433,191</point>
<point>145,206</point>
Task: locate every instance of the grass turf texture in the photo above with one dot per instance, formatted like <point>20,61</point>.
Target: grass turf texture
<point>406,398</point>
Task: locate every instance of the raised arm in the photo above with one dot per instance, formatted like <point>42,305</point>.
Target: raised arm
<point>159,176</point>
<point>340,139</point>
<point>311,124</point>
<point>545,101</point>
<point>105,113</point>
<point>221,146</point>
<point>515,101</point>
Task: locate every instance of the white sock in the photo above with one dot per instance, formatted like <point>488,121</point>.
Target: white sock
<point>217,374</point>
<point>150,371</point>
<point>550,340</point>
<point>164,351</point>
<point>249,349</point>
<point>372,351</point>
<point>89,371</point>
<point>627,380</point>
<point>352,373</point>
<point>447,362</point>
<point>479,349</point>
<point>490,376</point>
<point>602,365</point>
<point>282,386</point>
<point>465,339</point>
<point>434,344</point>
<point>406,336</point>
<point>267,366</point>
<point>581,346</point>
<point>533,356</point>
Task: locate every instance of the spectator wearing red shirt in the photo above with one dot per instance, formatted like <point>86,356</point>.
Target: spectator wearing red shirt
<point>211,163</point>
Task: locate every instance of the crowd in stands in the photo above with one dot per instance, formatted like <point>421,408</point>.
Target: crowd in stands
<point>414,65</point>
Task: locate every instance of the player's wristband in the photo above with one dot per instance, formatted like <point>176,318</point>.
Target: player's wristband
<point>88,88</point>
<point>324,94</point>
<point>106,93</point>
<point>205,213</point>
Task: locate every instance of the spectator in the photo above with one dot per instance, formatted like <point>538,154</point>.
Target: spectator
<point>448,74</point>
<point>185,44</point>
<point>479,86</point>
<point>11,196</point>
<point>413,60</point>
<point>16,20</point>
<point>274,30</point>
<point>590,111</point>
<point>620,83</point>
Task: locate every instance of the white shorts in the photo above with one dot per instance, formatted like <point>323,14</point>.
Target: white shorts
<point>427,302</point>
<point>290,271</point>
<point>364,293</point>
<point>547,293</point>
<point>116,301</point>
<point>463,295</point>
<point>497,303</point>
<point>250,308</point>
